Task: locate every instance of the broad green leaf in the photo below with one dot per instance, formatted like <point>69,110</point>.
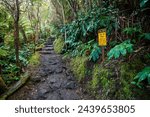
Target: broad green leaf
<point>143,3</point>
<point>120,49</point>
<point>141,76</point>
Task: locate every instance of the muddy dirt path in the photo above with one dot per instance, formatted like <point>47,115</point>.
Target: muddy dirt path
<point>51,80</point>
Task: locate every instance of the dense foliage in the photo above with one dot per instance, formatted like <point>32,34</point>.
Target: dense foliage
<point>25,26</point>
<point>126,33</point>
<point>16,51</point>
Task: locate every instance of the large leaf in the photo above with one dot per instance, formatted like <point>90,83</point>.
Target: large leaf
<point>145,36</point>
<point>121,49</point>
<point>142,76</point>
<point>143,3</point>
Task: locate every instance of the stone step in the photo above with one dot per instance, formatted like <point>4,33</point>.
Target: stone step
<point>46,52</point>
<point>48,49</point>
<point>48,45</point>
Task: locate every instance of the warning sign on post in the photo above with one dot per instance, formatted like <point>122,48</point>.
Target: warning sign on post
<point>102,37</point>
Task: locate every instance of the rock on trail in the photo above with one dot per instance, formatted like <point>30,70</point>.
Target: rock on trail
<point>52,80</point>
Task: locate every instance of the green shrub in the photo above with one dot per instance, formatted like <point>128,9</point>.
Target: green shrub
<point>35,59</point>
<point>58,45</point>
<point>78,65</point>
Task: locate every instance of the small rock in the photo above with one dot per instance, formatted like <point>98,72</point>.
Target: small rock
<point>71,85</point>
<point>53,96</point>
<point>50,72</point>
<point>52,62</point>
<point>43,74</point>
<point>70,78</point>
<point>43,89</point>
<point>58,70</point>
<point>67,72</point>
<point>52,80</point>
<point>55,86</point>
<point>42,93</point>
<point>36,79</point>
<point>69,95</point>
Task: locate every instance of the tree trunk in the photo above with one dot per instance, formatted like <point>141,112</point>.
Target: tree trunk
<point>0,70</point>
<point>16,42</point>
<point>37,23</point>
<point>16,32</point>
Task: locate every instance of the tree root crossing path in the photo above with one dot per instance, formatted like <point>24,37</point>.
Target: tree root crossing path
<point>51,80</point>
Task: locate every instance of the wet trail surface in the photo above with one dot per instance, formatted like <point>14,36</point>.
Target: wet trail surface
<point>51,80</point>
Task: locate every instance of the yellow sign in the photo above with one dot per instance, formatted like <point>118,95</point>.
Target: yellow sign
<point>102,37</point>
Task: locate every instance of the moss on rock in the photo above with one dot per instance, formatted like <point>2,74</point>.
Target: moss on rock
<point>35,59</point>
<point>100,76</point>
<point>39,47</point>
<point>58,45</point>
<point>112,80</point>
<point>78,65</point>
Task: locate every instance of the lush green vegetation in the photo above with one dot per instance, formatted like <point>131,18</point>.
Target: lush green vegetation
<point>128,39</point>
<point>20,35</point>
<point>25,26</point>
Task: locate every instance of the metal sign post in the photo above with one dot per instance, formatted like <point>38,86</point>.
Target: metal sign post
<point>102,40</point>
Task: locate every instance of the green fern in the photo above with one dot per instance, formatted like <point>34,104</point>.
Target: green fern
<point>142,76</point>
<point>121,49</point>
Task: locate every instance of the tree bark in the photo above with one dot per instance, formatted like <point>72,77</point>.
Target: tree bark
<point>16,32</point>
<point>0,70</point>
<point>37,23</point>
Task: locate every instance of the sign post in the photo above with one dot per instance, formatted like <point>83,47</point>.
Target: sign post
<point>102,40</point>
